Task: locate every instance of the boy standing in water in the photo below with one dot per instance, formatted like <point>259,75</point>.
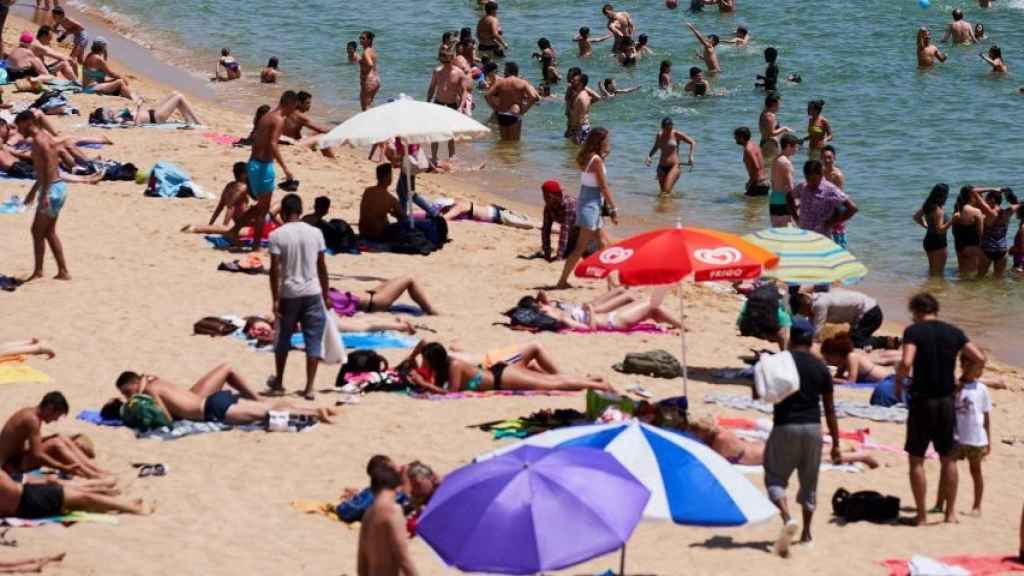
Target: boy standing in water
<point>782,183</point>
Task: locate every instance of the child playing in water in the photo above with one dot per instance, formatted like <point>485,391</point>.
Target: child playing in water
<point>973,406</point>
<point>995,60</point>
<point>610,90</point>
<point>665,75</point>
<point>584,42</point>
<point>232,69</point>
<point>698,86</point>
<point>770,80</point>
<point>351,50</point>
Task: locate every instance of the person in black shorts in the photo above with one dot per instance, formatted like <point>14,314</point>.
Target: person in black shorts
<point>931,348</point>
<point>33,501</point>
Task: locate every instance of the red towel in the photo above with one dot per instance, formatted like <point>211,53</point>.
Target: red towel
<point>976,565</point>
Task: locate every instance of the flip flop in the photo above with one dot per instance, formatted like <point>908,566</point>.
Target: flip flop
<point>152,470</point>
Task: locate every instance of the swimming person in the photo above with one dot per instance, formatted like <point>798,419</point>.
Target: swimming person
<point>610,90</point>
<point>995,60</point>
<point>627,55</point>
<point>666,143</point>
<point>595,196</point>
<point>757,178</point>
<point>698,85</point>
<point>489,34</point>
<point>959,30</point>
<point>665,75</point>
<point>352,52</point>
<point>783,183</point>
<point>709,56</point>
<point>927,53</point>
<point>232,69</point>
<point>819,131</point>
<point>511,98</point>
<point>369,77</point>
<point>741,39</point>
<point>932,217</point>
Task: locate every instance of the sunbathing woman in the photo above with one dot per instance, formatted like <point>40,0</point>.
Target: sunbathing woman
<point>31,347</point>
<point>381,297</point>
<point>609,301</point>
<point>440,373</point>
<point>585,318</point>
<point>95,74</point>
<point>529,356</point>
<point>263,331</point>
<point>480,212</point>
<point>852,366</point>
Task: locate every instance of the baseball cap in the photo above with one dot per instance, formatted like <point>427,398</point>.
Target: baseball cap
<point>26,38</point>
<point>551,187</point>
<point>802,331</point>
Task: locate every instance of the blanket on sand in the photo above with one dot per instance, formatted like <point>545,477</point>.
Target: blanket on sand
<point>844,408</point>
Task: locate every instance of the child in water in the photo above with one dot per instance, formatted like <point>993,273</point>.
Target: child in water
<point>770,80</point>
<point>585,43</point>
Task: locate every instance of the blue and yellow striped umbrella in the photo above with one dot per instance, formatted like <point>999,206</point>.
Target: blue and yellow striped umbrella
<point>807,257</point>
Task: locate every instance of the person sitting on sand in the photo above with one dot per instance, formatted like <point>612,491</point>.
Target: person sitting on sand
<point>22,63</point>
<point>35,501</point>
<point>419,482</point>
<point>232,69</point>
<point>271,73</point>
<point>23,448</point>
<point>59,64</point>
<point>376,205</point>
<point>234,201</point>
<point>207,401</point>
<point>383,544</point>
<point>98,78</point>
<point>852,366</point>
<point>584,317</point>
<point>433,370</point>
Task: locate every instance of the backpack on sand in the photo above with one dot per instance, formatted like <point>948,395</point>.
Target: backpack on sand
<point>532,320</point>
<point>339,237</point>
<point>656,363</point>
<point>865,505</point>
<point>761,316</point>
<point>361,361</point>
<point>213,326</point>
<point>142,413</point>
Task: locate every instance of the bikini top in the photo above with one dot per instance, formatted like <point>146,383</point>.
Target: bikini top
<point>587,178</point>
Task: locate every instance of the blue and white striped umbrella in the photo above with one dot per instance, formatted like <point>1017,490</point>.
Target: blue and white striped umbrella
<point>690,483</point>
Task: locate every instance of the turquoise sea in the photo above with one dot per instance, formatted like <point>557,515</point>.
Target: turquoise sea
<point>898,130</point>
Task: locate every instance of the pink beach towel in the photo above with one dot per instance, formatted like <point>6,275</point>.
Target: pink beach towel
<point>218,138</point>
<point>642,328</point>
<point>488,394</point>
<point>976,565</point>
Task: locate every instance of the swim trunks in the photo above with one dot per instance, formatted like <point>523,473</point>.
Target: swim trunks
<point>81,39</point>
<point>41,501</point>
<point>930,420</point>
<point>55,196</point>
<point>579,135</point>
<point>933,242</point>
<point>261,178</point>
<point>14,74</point>
<point>452,105</point>
<point>215,409</point>
<point>309,312</point>
<point>507,119</point>
<point>757,189</point>
<point>493,50</point>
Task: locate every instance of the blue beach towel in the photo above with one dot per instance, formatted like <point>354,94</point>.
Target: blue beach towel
<point>168,181</point>
<point>364,341</point>
<point>12,205</point>
<point>221,243</point>
<point>93,417</point>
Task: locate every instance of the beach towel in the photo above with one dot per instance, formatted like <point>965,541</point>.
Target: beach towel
<point>12,205</point>
<point>218,138</point>
<point>221,243</point>
<point>15,371</point>
<point>67,520</point>
<point>93,417</point>
<point>182,428</point>
<point>844,409</point>
<point>168,181</point>
<point>487,394</point>
<point>317,507</point>
<point>352,341</point>
<point>972,565</point>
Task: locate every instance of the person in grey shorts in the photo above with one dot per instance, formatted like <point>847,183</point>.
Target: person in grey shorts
<point>795,441</point>
<point>299,287</point>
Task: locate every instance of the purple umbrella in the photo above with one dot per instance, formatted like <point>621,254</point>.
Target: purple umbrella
<point>533,510</point>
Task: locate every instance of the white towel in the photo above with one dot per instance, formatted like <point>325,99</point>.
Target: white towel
<point>334,350</point>
<point>925,566</point>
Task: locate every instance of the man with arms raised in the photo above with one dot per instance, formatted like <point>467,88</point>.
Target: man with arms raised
<point>511,97</point>
<point>23,448</point>
<point>383,543</point>
<point>448,87</point>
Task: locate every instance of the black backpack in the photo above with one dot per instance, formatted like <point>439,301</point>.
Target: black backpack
<point>865,505</point>
<point>411,241</point>
<point>339,237</point>
<point>761,317</point>
<point>436,232</point>
<point>360,361</point>
<point>532,319</point>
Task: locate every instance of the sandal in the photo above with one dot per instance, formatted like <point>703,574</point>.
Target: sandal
<point>152,470</point>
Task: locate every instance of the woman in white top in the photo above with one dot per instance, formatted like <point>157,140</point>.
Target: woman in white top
<point>594,195</point>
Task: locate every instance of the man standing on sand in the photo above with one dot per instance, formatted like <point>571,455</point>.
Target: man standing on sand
<point>782,182</point>
<point>795,440</point>
<point>489,34</point>
<point>299,289</point>
<point>579,112</point>
<point>960,30</point>
<point>757,181</point>
<point>620,25</point>
<point>448,87</point>
<point>931,348</point>
<point>52,195</point>
<point>383,543</point>
<point>23,448</point>
<point>511,97</point>
<point>260,169</point>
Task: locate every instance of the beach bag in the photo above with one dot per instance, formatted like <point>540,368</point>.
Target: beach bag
<point>411,241</point>
<point>760,318</point>
<point>776,377</point>
<point>168,181</point>
<point>865,505</point>
<point>142,413</point>
<point>533,320</point>
<point>213,326</point>
<point>435,230</point>
<point>49,99</point>
<point>117,172</point>
<point>360,361</point>
<point>656,363</point>
<point>332,346</point>
<point>339,237</point>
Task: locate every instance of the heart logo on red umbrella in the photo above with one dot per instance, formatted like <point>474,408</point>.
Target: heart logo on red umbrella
<point>615,255</point>
<point>719,256</point>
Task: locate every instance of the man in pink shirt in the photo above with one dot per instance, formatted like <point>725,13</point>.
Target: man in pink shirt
<point>822,205</point>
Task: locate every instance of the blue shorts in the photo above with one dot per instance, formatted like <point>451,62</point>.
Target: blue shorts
<point>56,196</point>
<point>261,178</point>
<point>588,208</point>
<point>215,409</point>
<point>309,311</point>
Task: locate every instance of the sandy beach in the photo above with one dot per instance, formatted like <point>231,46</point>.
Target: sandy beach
<point>139,285</point>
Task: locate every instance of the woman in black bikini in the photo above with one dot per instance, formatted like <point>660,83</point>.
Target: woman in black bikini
<point>932,217</point>
<point>667,142</point>
<point>995,240</point>
<point>382,296</point>
<point>968,226</point>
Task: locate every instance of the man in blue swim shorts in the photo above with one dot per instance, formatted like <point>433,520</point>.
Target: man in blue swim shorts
<point>260,167</point>
<point>52,195</point>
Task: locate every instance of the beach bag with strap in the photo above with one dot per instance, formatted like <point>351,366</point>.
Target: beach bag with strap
<point>49,99</point>
<point>339,237</point>
<point>776,377</point>
<point>360,361</point>
<point>656,363</point>
<point>865,505</point>
<point>213,326</point>
<point>142,413</point>
<point>526,318</point>
<point>761,317</point>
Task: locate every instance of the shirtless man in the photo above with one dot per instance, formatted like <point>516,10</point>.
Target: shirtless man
<point>511,97</point>
<point>927,54</point>
<point>23,63</point>
<point>620,25</point>
<point>757,179</point>
<point>383,543</point>
<point>960,30</point>
<point>709,56</point>
<point>724,6</point>
<point>296,121</point>
<point>579,112</point>
<point>369,79</point>
<point>23,448</point>
<point>61,65</point>
<point>34,501</point>
<point>67,26</point>
<point>234,201</point>
<point>261,177</point>
<point>376,205</point>
<point>489,34</point>
<point>448,86</point>
<point>207,401</point>
<point>783,183</point>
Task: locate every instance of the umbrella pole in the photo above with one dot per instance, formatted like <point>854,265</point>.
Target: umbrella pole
<point>622,562</point>
<point>682,320</point>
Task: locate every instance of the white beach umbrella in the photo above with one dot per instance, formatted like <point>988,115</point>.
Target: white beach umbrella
<point>413,121</point>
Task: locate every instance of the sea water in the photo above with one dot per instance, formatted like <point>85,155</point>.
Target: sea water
<point>898,130</point>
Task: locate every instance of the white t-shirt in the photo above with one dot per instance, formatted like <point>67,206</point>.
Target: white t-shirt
<point>839,306</point>
<point>972,403</point>
<point>298,245</point>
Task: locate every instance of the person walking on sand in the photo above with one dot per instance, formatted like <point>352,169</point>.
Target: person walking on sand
<point>448,86</point>
<point>383,543</point>
<point>595,196</point>
<point>369,78</point>
<point>299,288</point>
<point>260,168</point>
<point>783,184</point>
<point>960,30</point>
<point>70,27</point>
<point>666,143</point>
<point>930,351</point>
<point>52,193</point>
<point>927,53</point>
<point>753,161</point>
<point>511,98</point>
<point>795,440</point>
